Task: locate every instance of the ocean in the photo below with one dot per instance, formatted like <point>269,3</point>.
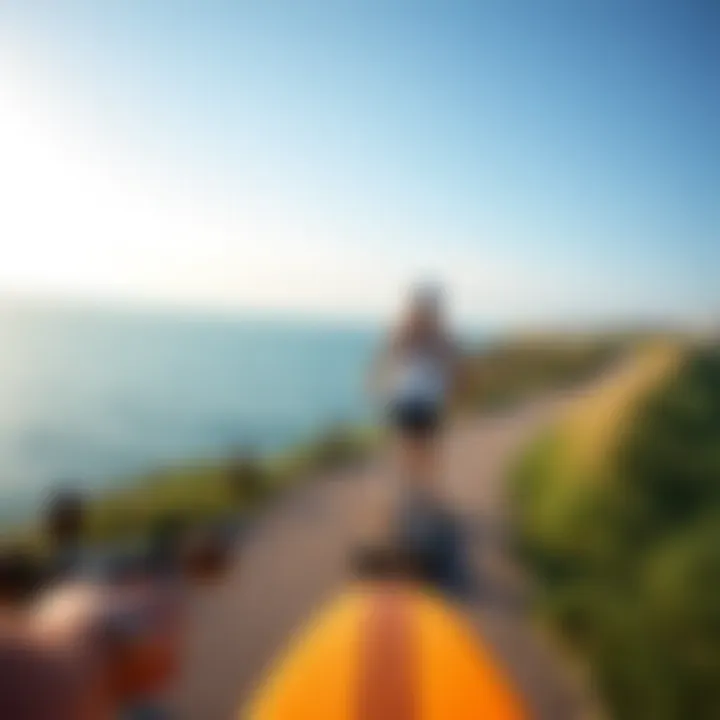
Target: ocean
<point>93,396</point>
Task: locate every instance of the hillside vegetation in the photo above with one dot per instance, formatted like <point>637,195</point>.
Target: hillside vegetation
<point>519,368</point>
<point>228,492</point>
<point>509,371</point>
<point>618,518</point>
<point>205,492</point>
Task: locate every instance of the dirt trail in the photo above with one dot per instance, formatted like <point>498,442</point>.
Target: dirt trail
<point>296,558</point>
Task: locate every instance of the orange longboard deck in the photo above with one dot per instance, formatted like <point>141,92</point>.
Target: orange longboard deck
<point>382,653</point>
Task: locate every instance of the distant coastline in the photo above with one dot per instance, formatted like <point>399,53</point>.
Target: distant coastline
<point>94,394</point>
<point>200,489</point>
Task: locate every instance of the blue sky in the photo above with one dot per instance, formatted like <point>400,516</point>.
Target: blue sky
<point>553,160</point>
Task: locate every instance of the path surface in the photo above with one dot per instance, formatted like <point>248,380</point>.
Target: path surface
<point>297,558</point>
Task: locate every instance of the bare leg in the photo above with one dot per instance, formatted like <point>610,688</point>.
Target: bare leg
<point>419,463</point>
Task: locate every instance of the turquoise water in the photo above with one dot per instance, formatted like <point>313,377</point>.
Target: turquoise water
<point>93,396</point>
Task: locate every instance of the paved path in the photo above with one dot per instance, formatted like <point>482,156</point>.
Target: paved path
<point>297,558</point>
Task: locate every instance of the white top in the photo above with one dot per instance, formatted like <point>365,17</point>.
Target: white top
<point>420,376</point>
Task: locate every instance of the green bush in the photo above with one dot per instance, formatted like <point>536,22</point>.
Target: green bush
<point>628,570</point>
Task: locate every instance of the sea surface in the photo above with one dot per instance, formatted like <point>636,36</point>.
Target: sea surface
<point>94,396</point>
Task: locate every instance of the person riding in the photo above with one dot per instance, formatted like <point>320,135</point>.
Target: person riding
<point>418,373</point>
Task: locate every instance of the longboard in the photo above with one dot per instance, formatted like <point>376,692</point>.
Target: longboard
<point>421,541</point>
<point>429,533</point>
<point>387,651</point>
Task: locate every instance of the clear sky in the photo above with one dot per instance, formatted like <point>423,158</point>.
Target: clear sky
<point>549,160</point>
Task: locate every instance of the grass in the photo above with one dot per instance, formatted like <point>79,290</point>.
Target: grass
<point>206,491</point>
<point>557,484</point>
<point>617,516</point>
<point>519,368</point>
<point>594,426</point>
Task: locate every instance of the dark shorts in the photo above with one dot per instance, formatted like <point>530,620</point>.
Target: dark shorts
<point>415,419</point>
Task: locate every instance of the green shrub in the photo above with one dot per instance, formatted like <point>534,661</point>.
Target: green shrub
<point>628,569</point>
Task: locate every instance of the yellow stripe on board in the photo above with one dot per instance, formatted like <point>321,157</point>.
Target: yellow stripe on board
<point>317,678</point>
<point>459,677</point>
